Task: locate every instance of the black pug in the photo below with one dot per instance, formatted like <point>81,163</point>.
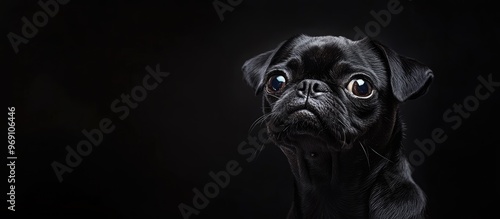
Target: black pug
<point>331,104</point>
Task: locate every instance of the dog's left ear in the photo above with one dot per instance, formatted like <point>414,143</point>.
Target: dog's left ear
<point>255,68</point>
<point>409,78</point>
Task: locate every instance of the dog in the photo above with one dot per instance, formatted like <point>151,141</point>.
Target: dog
<point>331,104</point>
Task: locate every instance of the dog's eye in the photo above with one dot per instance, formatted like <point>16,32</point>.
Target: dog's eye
<point>276,83</point>
<point>360,88</point>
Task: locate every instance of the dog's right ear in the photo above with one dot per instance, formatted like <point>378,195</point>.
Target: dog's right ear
<point>255,68</point>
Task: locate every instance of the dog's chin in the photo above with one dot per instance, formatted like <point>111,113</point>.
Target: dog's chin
<point>303,128</point>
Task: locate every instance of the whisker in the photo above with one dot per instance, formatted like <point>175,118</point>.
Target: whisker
<point>257,121</point>
<point>284,129</point>
<point>257,152</point>
<point>272,95</point>
<point>343,136</point>
<point>381,155</point>
<point>366,154</point>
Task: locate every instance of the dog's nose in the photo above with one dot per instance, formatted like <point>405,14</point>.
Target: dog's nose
<point>311,88</point>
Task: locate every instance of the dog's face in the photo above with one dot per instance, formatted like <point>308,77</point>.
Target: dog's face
<point>333,91</point>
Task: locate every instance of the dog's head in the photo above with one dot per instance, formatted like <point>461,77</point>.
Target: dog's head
<point>333,90</point>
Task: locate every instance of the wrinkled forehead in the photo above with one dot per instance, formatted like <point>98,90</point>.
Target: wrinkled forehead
<point>317,57</point>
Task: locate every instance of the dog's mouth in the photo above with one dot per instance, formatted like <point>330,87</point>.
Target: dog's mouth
<point>309,118</point>
<point>302,123</point>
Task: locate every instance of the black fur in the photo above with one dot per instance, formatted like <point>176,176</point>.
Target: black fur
<point>345,152</point>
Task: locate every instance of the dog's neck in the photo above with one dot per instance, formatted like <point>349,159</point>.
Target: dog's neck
<point>336,184</point>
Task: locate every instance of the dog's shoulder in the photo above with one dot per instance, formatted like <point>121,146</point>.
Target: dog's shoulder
<point>395,194</point>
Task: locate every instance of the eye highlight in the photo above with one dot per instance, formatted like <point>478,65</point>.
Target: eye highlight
<point>276,83</point>
<point>360,88</point>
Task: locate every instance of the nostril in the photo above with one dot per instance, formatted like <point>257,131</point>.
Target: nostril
<point>319,88</point>
<point>315,87</point>
<point>302,88</point>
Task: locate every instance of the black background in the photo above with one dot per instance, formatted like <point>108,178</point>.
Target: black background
<point>65,78</point>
